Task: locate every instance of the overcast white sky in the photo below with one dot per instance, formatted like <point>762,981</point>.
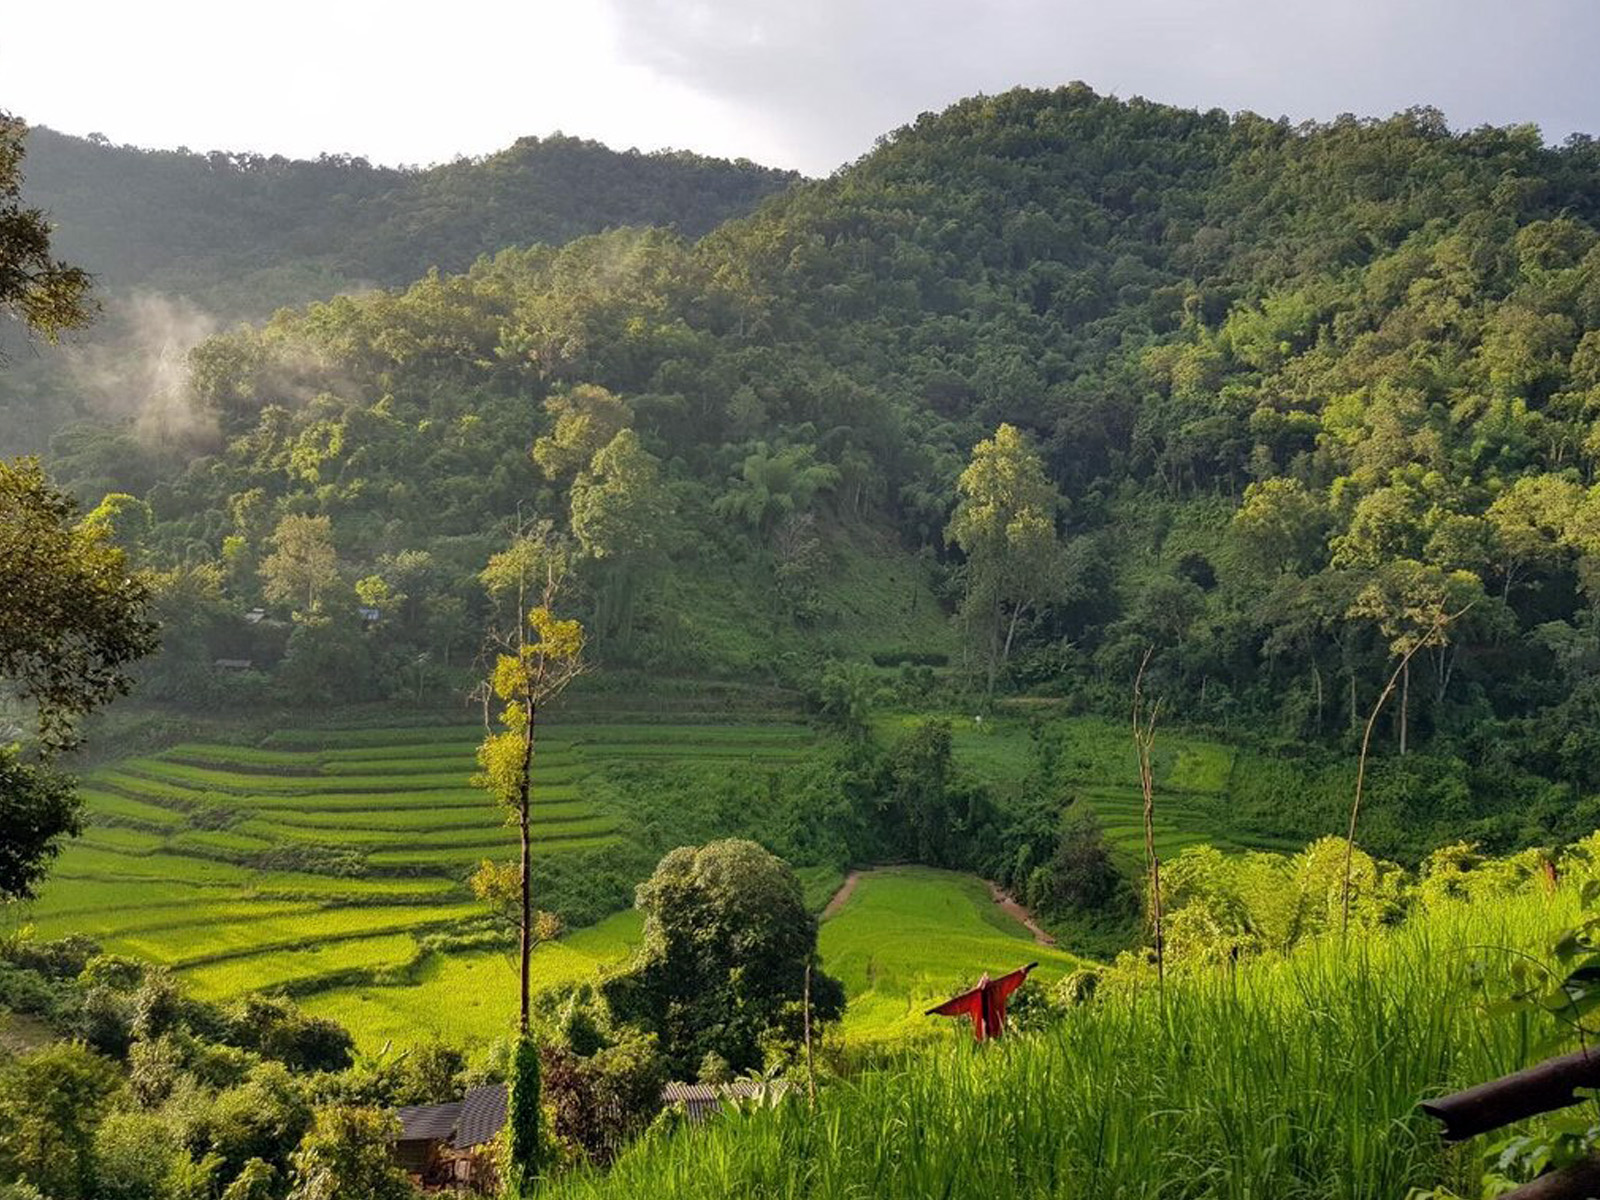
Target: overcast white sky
<point>796,83</point>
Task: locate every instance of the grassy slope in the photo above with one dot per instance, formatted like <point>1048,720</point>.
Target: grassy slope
<point>177,863</point>
<point>470,998</point>
<point>909,937</point>
<point>172,868</point>
<point>1296,1078</point>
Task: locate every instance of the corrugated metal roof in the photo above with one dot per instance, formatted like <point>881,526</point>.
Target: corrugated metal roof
<point>428,1122</point>
<point>705,1093</point>
<point>483,1112</point>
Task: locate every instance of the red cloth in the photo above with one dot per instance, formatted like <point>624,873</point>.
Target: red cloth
<point>985,1004</point>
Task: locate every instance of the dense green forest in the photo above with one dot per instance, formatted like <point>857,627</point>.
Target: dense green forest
<point>1299,400</point>
<point>223,226</point>
<point>182,243</point>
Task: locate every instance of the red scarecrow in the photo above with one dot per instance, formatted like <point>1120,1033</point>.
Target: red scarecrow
<point>986,1003</point>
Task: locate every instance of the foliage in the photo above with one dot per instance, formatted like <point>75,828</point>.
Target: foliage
<point>524,1135</point>
<point>50,1103</point>
<point>72,615</point>
<point>345,1156</point>
<point>47,295</point>
<point>1005,524</point>
<point>727,940</point>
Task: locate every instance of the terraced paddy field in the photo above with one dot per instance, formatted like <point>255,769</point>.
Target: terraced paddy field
<point>1094,764</point>
<point>906,938</point>
<point>909,937</point>
<point>331,862</point>
<point>470,998</point>
<point>317,855</point>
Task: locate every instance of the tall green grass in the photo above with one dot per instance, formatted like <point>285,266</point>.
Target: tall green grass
<point>1296,1077</point>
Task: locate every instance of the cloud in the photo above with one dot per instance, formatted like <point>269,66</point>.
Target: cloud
<point>824,78</point>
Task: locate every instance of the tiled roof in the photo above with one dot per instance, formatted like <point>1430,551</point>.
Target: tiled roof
<point>428,1122</point>
<point>483,1112</point>
<point>474,1119</point>
<point>708,1093</point>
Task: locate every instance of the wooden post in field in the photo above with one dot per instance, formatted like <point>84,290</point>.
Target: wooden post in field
<point>1144,740</point>
<point>811,1065</point>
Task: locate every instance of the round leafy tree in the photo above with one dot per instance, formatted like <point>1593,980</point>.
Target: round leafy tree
<point>727,940</point>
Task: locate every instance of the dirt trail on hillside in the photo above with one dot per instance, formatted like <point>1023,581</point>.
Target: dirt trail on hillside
<point>1008,904</point>
<point>843,894</point>
<point>1014,910</point>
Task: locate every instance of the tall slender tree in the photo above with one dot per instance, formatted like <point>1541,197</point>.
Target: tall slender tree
<point>536,655</point>
<point>534,661</point>
<point>1005,523</point>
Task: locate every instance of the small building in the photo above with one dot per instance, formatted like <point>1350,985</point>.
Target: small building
<point>701,1100</point>
<point>449,1144</point>
<point>255,616</point>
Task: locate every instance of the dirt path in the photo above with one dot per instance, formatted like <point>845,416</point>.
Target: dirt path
<point>1014,910</point>
<point>843,894</point>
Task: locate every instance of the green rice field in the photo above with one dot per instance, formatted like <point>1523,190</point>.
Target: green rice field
<point>318,860</point>
<point>909,937</point>
<point>316,854</point>
<point>1095,765</point>
<point>470,997</point>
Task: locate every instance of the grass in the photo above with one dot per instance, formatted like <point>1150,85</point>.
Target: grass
<point>382,821</point>
<point>318,852</point>
<point>469,998</point>
<point>909,937</point>
<point>1291,1078</point>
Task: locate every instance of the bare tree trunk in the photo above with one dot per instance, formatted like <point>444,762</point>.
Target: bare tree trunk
<point>1144,734</point>
<point>524,837</point>
<point>1316,679</point>
<point>1361,774</point>
<point>1405,701</point>
<point>1011,632</point>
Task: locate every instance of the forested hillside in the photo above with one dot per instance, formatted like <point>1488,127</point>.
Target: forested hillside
<point>231,229</point>
<point>1293,402</point>
<point>182,243</point>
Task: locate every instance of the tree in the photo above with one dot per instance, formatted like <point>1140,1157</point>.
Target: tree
<point>47,295</point>
<point>773,484</point>
<point>727,943</point>
<point>1280,525</point>
<point>617,512</point>
<point>303,562</point>
<point>73,617</point>
<point>51,1102</point>
<point>534,663</point>
<point>73,620</point>
<point>587,419</point>
<point>346,1156</point>
<point>38,808</point>
<point>845,695</point>
<point>1005,523</point>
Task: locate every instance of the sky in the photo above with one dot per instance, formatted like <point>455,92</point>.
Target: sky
<point>806,84</point>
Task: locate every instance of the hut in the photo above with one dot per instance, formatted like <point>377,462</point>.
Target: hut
<point>447,1144</point>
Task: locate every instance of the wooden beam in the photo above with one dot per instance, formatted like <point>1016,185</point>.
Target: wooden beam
<point>1580,1181</point>
<point>1528,1092</point>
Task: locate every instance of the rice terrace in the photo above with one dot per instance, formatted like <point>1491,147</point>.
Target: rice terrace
<point>1022,644</point>
<point>191,855</point>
